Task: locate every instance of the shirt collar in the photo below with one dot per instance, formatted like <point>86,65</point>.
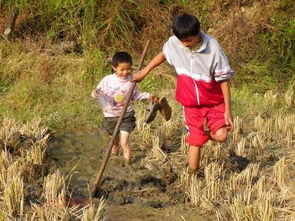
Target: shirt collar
<point>200,49</point>
<point>120,79</point>
<point>205,42</point>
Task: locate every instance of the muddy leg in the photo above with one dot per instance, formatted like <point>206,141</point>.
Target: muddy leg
<point>125,146</point>
<point>115,148</point>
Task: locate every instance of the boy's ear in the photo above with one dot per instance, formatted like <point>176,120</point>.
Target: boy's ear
<point>114,68</point>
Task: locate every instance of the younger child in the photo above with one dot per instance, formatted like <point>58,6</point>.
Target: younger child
<point>111,93</point>
<point>203,74</point>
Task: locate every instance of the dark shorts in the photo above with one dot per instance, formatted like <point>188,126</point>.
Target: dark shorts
<point>128,123</point>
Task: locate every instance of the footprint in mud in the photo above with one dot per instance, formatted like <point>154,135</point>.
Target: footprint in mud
<point>147,190</point>
<point>239,162</point>
<point>110,185</point>
<point>148,179</point>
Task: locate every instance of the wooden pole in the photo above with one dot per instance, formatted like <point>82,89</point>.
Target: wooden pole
<point>117,127</point>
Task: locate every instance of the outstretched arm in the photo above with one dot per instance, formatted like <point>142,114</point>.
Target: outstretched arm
<point>156,61</point>
<point>227,113</point>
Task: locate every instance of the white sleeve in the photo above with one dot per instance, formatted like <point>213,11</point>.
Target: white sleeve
<point>137,95</point>
<point>222,69</point>
<point>103,86</point>
<point>166,52</point>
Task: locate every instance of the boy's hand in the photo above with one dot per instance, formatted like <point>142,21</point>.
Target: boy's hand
<point>95,93</point>
<point>138,77</point>
<point>228,120</point>
<point>154,98</point>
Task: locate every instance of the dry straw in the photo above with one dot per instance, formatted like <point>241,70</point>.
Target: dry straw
<point>14,196</point>
<point>14,189</point>
<point>264,189</point>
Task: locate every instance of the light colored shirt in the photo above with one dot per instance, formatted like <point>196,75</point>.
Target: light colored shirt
<point>112,93</point>
<point>202,63</point>
<point>199,71</point>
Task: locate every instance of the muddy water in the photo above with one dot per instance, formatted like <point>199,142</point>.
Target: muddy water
<point>132,193</point>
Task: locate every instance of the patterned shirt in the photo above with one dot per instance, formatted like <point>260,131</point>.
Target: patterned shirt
<point>112,93</point>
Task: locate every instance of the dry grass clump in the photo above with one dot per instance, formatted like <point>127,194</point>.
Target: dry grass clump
<point>14,196</point>
<point>16,137</point>
<point>247,178</point>
<point>20,139</point>
<point>23,166</point>
<point>93,213</point>
<point>54,189</point>
<point>57,206</point>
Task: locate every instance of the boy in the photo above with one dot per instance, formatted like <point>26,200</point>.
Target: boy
<point>111,92</point>
<point>202,88</point>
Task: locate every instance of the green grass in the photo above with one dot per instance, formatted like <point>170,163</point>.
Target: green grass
<point>57,87</point>
<point>54,88</point>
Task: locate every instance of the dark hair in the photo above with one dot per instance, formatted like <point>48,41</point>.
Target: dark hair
<point>121,57</point>
<point>185,25</point>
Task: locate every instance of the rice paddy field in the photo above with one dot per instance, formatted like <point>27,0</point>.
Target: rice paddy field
<point>249,177</point>
<point>52,143</point>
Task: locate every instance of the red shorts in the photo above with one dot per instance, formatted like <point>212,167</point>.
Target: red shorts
<point>195,117</point>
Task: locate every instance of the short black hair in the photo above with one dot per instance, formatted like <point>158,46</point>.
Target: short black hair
<point>185,25</point>
<point>121,57</point>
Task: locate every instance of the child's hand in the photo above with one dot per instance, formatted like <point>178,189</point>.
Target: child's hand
<point>154,98</point>
<point>228,120</point>
<point>138,77</point>
<point>95,93</point>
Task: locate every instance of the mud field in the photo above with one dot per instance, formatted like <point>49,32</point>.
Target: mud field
<point>249,175</point>
<point>131,193</point>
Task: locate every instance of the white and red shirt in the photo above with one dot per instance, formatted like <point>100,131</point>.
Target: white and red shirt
<point>112,93</point>
<point>198,71</point>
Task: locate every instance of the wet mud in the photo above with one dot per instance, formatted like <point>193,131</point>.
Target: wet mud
<point>131,192</point>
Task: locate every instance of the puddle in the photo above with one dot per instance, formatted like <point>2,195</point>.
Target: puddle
<point>131,193</point>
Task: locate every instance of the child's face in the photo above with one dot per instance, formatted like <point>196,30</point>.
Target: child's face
<point>191,41</point>
<point>123,70</point>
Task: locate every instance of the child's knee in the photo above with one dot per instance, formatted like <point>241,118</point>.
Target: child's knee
<point>220,135</point>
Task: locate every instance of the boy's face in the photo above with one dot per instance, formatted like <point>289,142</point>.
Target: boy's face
<point>123,70</point>
<point>191,41</point>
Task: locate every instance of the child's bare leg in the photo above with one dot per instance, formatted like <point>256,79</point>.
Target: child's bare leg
<point>194,156</point>
<point>220,135</point>
<point>125,145</point>
<point>115,148</point>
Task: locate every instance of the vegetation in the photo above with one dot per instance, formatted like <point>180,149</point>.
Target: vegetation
<point>60,49</point>
<point>54,88</point>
